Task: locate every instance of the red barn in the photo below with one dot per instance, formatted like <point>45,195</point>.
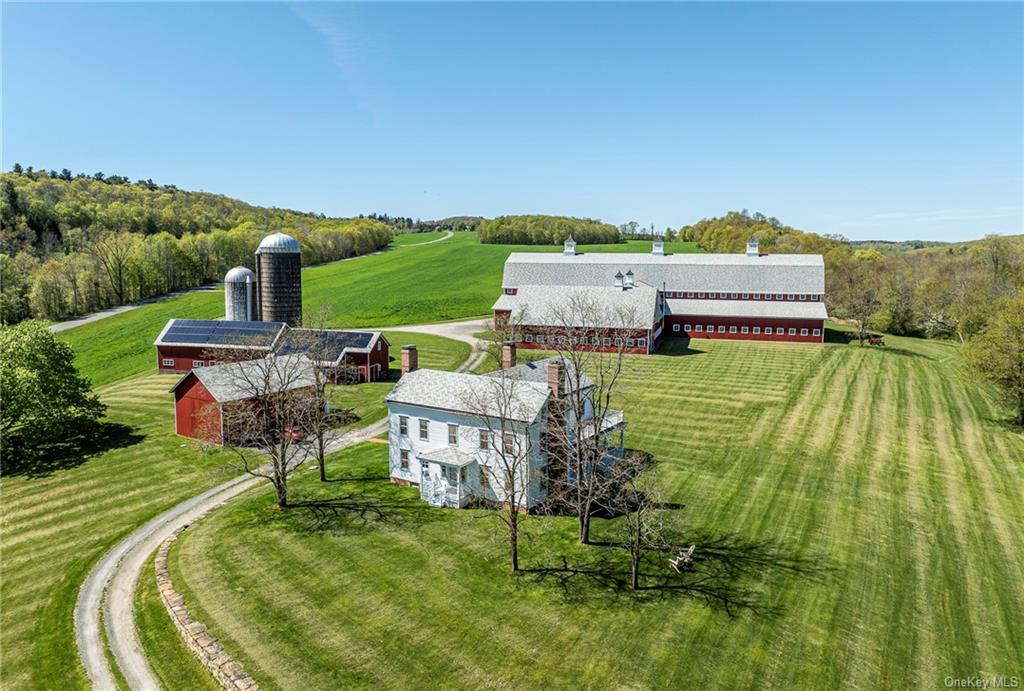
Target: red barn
<point>202,395</point>
<point>185,344</point>
<point>350,356</point>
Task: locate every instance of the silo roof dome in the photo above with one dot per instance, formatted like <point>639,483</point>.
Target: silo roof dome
<point>279,243</point>
<point>239,274</point>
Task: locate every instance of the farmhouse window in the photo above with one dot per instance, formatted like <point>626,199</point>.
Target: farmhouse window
<point>508,442</point>
<point>803,332</point>
<point>168,362</point>
<point>483,477</point>
<point>424,429</point>
<point>768,331</point>
<point>485,441</point>
<point>817,332</point>
<point>732,329</point>
<point>453,435</point>
<point>744,330</point>
<point>403,425</point>
<point>403,458</point>
<point>688,328</point>
<point>721,329</point>
<point>757,329</point>
<point>792,331</point>
<point>198,363</point>
<point>675,327</point>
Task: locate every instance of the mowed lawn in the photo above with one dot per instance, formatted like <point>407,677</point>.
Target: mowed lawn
<point>454,279</point>
<point>55,527</point>
<point>891,487</point>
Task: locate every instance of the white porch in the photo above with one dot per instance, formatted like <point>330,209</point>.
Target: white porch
<point>447,477</point>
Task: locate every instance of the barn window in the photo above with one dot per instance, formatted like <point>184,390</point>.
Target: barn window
<point>699,328</point>
<point>618,341</point>
<point>403,458</point>
<point>688,328</point>
<point>453,435</point>
<point>198,363</point>
<point>689,295</point>
<point>778,296</point>
<point>403,425</point>
<point>721,329</point>
<point>700,295</point>
<point>712,295</point>
<point>792,331</point>
<point>767,331</point>
<point>803,332</point>
<point>424,429</point>
<point>606,341</point>
<point>485,439</point>
<point>757,329</point>
<point>815,298</point>
<point>817,332</point>
<point>630,342</point>
<point>746,296</point>
<point>167,362</point>
<point>803,296</point>
<point>540,339</point>
<point>529,338</point>
<point>792,296</point>
<point>734,296</point>
<point>757,296</point>
<point>675,327</point>
<point>744,330</point>
<point>711,328</point>
<point>642,342</point>
<point>732,329</point>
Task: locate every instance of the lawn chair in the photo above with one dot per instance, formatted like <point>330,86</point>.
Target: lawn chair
<point>683,560</point>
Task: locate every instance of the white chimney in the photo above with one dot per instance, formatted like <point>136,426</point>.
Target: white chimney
<point>752,250</point>
<point>569,249</point>
<point>659,248</point>
<point>629,279</point>
<point>618,280</point>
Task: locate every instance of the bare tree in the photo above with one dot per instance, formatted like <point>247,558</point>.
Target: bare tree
<point>113,252</point>
<point>583,437</point>
<point>636,497</point>
<point>505,410</point>
<point>265,403</point>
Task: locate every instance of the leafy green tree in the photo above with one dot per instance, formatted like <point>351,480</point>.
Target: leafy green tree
<point>44,397</point>
<point>997,354</point>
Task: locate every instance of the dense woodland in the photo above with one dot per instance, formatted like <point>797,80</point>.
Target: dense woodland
<point>73,244</point>
<point>545,230</point>
<point>405,224</point>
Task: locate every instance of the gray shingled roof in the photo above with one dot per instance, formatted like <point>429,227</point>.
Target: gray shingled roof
<point>748,308</point>
<point>448,455</point>
<point>537,371</point>
<point>771,273</point>
<point>240,381</point>
<point>551,305</point>
<point>469,393</point>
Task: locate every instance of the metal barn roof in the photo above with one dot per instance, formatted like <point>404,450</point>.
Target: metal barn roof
<point>330,344</point>
<point>771,273</point>
<point>769,309</point>
<point>582,306</point>
<point>216,333</point>
<point>240,381</point>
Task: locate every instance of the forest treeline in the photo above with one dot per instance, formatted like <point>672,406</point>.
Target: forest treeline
<point>545,230</point>
<point>947,290</point>
<point>73,244</point>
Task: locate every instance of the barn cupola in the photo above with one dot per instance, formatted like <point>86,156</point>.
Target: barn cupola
<point>628,283</point>
<point>752,248</point>
<point>569,249</point>
<point>658,250</point>
<point>619,280</point>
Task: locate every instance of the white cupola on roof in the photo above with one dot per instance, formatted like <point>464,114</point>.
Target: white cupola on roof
<point>752,249</point>
<point>658,249</point>
<point>629,279</point>
<point>618,279</point>
<point>569,249</point>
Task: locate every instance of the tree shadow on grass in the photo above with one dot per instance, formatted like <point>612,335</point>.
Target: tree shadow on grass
<point>726,572</point>
<point>70,450</point>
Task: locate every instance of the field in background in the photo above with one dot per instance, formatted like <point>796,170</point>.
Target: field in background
<point>892,487</point>
<point>457,278</point>
<point>56,526</point>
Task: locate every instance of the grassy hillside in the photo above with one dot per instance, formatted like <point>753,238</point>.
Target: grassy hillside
<point>894,493</point>
<point>55,527</point>
<point>457,278</point>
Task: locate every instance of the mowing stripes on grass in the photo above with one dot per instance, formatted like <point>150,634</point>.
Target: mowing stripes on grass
<point>883,464</point>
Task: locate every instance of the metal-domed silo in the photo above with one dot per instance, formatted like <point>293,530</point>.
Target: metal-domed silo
<point>279,271</point>
<point>240,295</point>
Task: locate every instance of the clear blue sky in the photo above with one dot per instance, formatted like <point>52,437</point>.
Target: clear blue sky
<point>871,120</point>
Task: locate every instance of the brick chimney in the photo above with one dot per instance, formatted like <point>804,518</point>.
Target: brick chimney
<point>556,377</point>
<point>508,355</point>
<point>410,359</point>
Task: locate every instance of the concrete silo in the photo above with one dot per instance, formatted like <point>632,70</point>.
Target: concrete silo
<point>240,295</point>
<point>279,272</point>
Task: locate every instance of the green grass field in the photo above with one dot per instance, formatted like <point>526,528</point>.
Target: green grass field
<point>893,488</point>
<point>56,526</point>
<point>458,278</point>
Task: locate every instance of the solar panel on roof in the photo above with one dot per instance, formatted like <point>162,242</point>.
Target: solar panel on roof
<point>212,332</point>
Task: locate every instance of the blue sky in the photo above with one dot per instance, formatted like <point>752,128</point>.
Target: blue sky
<point>875,121</point>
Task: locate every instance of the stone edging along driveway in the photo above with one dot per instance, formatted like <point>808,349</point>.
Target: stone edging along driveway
<point>208,649</point>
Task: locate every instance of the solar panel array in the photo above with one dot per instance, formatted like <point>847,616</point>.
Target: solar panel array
<point>222,333</point>
<point>334,342</point>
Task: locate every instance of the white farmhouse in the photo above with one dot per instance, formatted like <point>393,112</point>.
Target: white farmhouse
<point>459,436</point>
